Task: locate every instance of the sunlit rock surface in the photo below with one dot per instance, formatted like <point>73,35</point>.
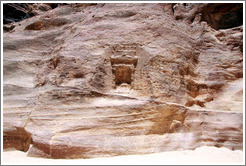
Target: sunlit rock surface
<point>92,80</point>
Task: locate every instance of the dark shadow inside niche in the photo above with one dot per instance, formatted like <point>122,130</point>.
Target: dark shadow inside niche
<point>223,15</point>
<point>123,74</point>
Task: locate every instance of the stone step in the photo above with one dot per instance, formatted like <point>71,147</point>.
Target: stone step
<point>125,50</point>
<point>124,53</point>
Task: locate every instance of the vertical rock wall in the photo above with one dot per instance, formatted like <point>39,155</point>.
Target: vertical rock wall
<point>90,80</point>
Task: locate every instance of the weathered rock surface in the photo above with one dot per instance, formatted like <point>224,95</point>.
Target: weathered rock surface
<point>90,80</point>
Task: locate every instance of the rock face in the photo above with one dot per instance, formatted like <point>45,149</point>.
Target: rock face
<point>90,80</point>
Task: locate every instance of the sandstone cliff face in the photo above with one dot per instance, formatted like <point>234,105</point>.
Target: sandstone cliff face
<point>90,80</point>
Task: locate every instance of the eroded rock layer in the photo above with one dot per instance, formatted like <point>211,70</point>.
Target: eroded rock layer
<point>91,80</point>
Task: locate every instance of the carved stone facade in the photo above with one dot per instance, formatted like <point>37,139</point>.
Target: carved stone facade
<point>124,62</point>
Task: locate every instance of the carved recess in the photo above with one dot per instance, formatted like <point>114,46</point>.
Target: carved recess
<point>124,62</point>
